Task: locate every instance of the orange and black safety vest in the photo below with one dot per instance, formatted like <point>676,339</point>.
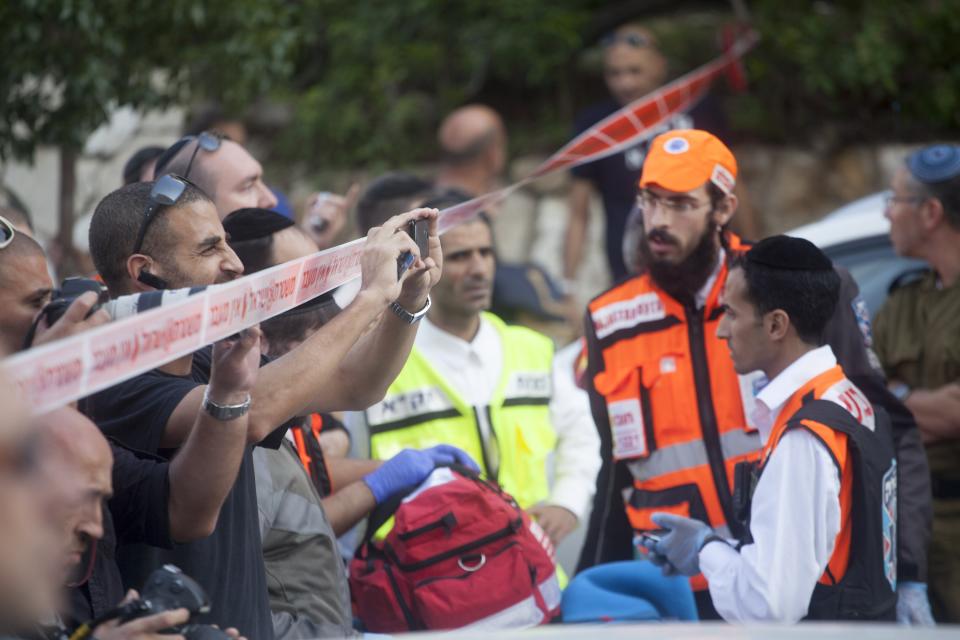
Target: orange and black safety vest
<point>670,409</point>
<point>306,440</point>
<point>859,581</point>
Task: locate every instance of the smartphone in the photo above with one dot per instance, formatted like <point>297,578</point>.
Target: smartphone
<point>419,231</point>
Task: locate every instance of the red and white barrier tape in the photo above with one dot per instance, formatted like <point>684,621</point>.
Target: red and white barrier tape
<point>53,375</point>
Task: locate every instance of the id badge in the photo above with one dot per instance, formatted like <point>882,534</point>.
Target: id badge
<point>626,423</point>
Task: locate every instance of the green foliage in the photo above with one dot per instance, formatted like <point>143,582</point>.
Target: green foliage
<point>68,62</point>
<point>367,81</point>
<point>853,70</point>
<point>377,76</point>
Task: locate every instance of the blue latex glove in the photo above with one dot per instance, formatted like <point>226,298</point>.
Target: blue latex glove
<point>913,606</point>
<point>410,467</point>
<point>680,546</point>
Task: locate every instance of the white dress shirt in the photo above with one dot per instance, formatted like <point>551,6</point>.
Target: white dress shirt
<point>473,370</point>
<point>795,515</point>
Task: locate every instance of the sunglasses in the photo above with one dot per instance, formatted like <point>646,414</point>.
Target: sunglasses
<point>7,232</point>
<point>208,141</point>
<point>166,191</point>
<point>635,40</point>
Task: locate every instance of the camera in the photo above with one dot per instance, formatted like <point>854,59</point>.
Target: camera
<point>169,588</point>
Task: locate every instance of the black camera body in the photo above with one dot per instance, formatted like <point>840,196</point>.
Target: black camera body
<point>166,589</point>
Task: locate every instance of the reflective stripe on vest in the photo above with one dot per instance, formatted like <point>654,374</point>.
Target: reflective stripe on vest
<point>421,410</point>
<point>674,401</point>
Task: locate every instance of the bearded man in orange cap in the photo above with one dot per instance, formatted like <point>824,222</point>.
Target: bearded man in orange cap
<point>663,389</point>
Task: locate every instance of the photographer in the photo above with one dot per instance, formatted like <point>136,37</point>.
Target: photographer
<point>153,501</point>
<point>345,365</point>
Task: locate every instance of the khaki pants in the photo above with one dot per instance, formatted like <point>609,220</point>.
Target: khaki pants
<point>944,578</point>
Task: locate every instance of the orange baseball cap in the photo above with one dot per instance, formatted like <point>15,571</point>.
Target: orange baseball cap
<point>684,159</point>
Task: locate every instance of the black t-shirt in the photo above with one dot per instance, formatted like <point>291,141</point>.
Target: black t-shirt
<point>228,563</point>
<point>136,513</point>
<point>616,176</point>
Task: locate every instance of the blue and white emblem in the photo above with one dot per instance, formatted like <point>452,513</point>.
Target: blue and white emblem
<point>890,524</point>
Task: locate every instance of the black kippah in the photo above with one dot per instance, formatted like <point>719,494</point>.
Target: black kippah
<point>789,254</point>
<point>253,223</point>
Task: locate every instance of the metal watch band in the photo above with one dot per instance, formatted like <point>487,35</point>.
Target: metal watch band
<point>406,316</point>
<point>224,412</point>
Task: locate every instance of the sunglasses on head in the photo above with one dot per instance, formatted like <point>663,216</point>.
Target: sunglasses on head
<point>635,40</point>
<point>208,141</point>
<point>166,191</point>
<point>7,232</point>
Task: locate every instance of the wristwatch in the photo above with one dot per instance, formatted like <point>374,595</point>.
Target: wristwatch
<point>224,412</point>
<point>406,316</point>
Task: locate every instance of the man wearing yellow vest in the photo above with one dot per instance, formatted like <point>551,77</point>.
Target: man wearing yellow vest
<point>475,383</point>
<point>822,500</point>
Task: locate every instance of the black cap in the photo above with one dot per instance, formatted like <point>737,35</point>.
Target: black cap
<point>789,254</point>
<point>253,222</point>
<point>936,163</point>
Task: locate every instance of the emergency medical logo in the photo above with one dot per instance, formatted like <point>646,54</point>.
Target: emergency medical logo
<point>626,425</point>
<point>890,524</point>
<point>676,146</point>
<point>723,179</point>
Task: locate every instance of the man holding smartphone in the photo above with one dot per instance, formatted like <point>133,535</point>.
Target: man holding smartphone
<point>473,382</point>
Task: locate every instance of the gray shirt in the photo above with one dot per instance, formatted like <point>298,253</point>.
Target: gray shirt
<point>306,578</point>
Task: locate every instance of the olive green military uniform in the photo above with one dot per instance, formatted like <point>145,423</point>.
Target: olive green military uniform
<point>917,337</point>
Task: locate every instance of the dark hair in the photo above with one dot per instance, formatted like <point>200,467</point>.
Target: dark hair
<point>298,324</point>
<point>809,298</point>
<point>948,193</point>
<point>446,197</point>
<point>388,195</point>
<point>134,166</point>
<point>255,254</point>
<point>116,223</point>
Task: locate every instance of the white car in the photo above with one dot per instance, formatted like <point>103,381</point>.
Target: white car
<point>856,236</point>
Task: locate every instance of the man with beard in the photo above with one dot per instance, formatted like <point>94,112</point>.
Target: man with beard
<point>488,388</point>
<point>168,235</point>
<point>662,387</point>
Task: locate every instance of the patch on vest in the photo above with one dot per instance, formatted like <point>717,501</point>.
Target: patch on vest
<point>528,384</point>
<point>406,405</point>
<point>848,396</point>
<point>646,307</point>
<point>626,424</point>
<point>890,524</point>
<point>862,314</point>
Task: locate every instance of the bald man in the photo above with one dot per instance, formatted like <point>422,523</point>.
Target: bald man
<point>28,571</point>
<point>79,467</point>
<point>633,67</point>
<point>473,147</point>
<point>25,287</point>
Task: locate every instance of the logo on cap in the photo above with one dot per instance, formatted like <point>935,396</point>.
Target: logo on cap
<point>723,179</point>
<point>676,145</point>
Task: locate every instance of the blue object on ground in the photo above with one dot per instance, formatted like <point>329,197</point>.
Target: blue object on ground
<point>630,591</point>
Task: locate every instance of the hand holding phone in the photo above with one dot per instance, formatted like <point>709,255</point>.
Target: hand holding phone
<point>419,231</point>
